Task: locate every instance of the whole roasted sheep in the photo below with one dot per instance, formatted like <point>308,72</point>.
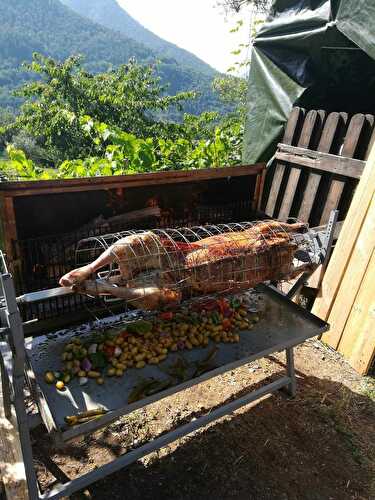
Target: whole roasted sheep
<point>160,268</point>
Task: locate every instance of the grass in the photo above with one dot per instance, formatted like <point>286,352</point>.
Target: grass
<point>368,387</point>
<point>336,414</point>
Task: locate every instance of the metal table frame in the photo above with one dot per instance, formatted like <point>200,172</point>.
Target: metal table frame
<point>13,362</point>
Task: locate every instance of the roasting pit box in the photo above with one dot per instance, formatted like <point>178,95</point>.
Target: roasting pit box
<point>282,325</point>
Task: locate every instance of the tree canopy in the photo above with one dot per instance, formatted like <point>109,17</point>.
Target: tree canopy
<point>129,97</point>
<point>74,123</point>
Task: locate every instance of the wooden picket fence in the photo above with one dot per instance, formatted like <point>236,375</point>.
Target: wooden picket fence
<point>326,161</point>
<point>317,165</point>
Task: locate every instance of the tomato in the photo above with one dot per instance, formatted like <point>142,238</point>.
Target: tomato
<point>124,334</point>
<point>226,323</point>
<point>109,350</point>
<point>166,316</point>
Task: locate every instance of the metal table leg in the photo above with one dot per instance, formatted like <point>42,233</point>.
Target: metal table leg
<point>5,389</point>
<point>292,386</point>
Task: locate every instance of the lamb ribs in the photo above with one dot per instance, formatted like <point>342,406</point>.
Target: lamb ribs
<point>161,268</point>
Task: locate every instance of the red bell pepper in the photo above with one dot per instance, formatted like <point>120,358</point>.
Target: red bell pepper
<point>223,306</point>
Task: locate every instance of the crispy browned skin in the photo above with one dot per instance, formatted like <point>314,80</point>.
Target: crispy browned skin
<point>153,274</point>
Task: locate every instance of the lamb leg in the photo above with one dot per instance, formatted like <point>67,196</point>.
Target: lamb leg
<point>83,273</point>
<point>147,297</point>
<point>140,251</point>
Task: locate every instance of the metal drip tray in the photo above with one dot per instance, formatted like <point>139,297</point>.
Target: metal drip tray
<point>282,324</point>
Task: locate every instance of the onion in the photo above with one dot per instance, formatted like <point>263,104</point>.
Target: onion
<point>86,365</point>
<point>92,348</point>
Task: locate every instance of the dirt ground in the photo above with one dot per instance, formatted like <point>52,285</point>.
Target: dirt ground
<point>319,445</point>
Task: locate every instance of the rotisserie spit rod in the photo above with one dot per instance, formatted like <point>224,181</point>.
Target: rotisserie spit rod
<point>155,269</point>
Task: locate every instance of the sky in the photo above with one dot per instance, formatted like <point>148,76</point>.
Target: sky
<point>195,25</point>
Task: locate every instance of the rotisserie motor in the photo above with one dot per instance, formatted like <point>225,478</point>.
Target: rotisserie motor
<point>161,268</point>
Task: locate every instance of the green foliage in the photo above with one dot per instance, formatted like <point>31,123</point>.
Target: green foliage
<point>27,143</point>
<point>119,152</point>
<point>232,90</point>
<point>18,167</point>
<point>6,119</point>
<point>129,97</point>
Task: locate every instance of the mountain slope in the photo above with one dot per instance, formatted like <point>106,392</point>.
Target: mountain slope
<point>49,27</point>
<point>111,15</point>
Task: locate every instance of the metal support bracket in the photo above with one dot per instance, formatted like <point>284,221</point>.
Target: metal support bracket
<point>323,245</point>
<point>298,285</point>
<point>328,236</point>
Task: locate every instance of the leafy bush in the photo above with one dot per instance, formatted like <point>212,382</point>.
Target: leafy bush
<point>119,153</point>
<point>18,167</point>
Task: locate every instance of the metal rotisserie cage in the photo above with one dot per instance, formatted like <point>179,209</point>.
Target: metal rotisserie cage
<point>45,259</point>
<point>163,267</point>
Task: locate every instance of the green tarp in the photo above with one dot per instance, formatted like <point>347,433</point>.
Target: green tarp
<point>318,54</point>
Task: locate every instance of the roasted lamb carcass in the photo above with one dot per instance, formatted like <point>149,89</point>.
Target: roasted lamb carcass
<point>162,268</point>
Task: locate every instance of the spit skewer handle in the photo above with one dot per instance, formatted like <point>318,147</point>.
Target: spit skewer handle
<point>29,298</point>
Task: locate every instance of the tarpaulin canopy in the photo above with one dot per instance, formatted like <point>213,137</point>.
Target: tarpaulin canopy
<point>318,54</point>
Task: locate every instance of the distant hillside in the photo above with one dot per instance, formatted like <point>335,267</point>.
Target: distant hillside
<point>111,15</point>
<point>49,27</point>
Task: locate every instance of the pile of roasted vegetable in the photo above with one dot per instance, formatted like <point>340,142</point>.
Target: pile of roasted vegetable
<point>111,353</point>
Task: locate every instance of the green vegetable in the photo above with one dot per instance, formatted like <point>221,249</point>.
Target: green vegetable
<point>235,303</point>
<point>98,360</point>
<point>110,334</point>
<point>139,327</point>
<point>178,370</point>
<point>207,363</point>
<point>194,319</point>
<point>216,318</point>
<point>80,354</point>
<point>147,387</point>
<point>85,416</point>
<point>98,338</point>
